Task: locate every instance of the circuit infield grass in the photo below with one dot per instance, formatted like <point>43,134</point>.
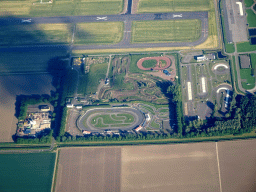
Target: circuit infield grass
<point>112,120</point>
<point>149,63</point>
<point>146,6</point>
<point>33,8</point>
<point>99,33</point>
<point>27,172</point>
<point>166,31</point>
<point>34,34</point>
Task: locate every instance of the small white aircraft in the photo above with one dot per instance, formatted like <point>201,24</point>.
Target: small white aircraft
<point>101,18</point>
<point>177,15</point>
<point>26,20</point>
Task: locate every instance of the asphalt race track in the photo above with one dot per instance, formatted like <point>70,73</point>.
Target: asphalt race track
<point>126,18</point>
<point>138,118</point>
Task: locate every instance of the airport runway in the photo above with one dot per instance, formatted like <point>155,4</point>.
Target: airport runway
<point>126,18</point>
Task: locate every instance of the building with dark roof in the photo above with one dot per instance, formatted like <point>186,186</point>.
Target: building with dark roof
<point>244,61</point>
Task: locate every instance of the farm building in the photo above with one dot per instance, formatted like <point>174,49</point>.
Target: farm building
<point>244,61</point>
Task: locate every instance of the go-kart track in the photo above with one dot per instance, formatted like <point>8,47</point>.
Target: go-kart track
<point>126,18</point>
<point>100,119</point>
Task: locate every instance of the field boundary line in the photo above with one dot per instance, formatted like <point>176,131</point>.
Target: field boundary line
<point>54,176</point>
<point>217,153</point>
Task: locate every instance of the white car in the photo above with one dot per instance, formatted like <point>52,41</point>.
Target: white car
<point>26,20</point>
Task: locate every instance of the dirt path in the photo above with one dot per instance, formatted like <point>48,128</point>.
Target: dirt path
<point>135,6</point>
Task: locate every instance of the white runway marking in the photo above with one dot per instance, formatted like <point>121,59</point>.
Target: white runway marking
<point>203,84</point>
<point>220,65</point>
<point>218,165</point>
<point>102,18</point>
<point>189,91</point>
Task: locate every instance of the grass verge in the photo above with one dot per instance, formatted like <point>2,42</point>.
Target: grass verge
<point>251,18</point>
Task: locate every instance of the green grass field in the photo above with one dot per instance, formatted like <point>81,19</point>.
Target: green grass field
<point>250,80</point>
<point>34,34</point>
<point>89,82</point>
<point>245,47</point>
<point>154,125</point>
<point>33,8</point>
<point>251,18</point>
<point>27,172</point>
<point>166,31</point>
<point>149,63</point>
<point>99,33</point>
<point>146,6</point>
<point>248,3</point>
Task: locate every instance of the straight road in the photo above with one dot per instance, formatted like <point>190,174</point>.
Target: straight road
<point>126,18</point>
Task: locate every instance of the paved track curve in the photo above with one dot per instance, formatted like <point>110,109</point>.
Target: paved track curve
<point>126,18</point>
<point>138,118</point>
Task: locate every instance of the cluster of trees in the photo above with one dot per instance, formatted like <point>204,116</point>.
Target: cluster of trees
<point>43,139</point>
<point>63,122</point>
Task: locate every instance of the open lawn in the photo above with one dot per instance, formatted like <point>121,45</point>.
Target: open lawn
<point>248,3</point>
<point>166,31</point>
<point>27,172</point>
<point>34,34</point>
<point>33,8</point>
<point>250,80</point>
<point>99,33</point>
<point>146,6</point>
<point>244,47</point>
<point>89,82</point>
<point>251,18</point>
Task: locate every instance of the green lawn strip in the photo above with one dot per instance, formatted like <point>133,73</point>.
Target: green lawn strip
<point>92,79</point>
<point>25,172</point>
<point>248,3</point>
<point>147,6</point>
<point>159,141</point>
<point>251,18</point>
<point>99,33</point>
<point>154,125</point>
<point>34,34</point>
<point>163,110</point>
<point>245,47</point>
<point>32,8</point>
<point>149,63</point>
<point>234,74</point>
<point>166,31</point>
<point>135,58</point>
<point>129,117</point>
<point>114,116</point>
<point>246,86</point>
<point>253,60</point>
<point>184,72</point>
<point>157,106</point>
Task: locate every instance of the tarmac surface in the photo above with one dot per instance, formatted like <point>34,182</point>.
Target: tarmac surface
<point>126,18</point>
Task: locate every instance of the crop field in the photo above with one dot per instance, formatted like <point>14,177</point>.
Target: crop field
<point>166,31</point>
<point>27,172</point>
<point>99,33</point>
<point>146,6</point>
<point>11,62</point>
<point>34,34</point>
<point>33,8</point>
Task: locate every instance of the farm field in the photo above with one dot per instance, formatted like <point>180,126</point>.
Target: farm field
<point>166,31</point>
<point>99,33</point>
<point>33,8</point>
<point>27,172</point>
<point>194,167</point>
<point>245,47</point>
<point>35,34</point>
<point>11,62</point>
<point>93,169</point>
<point>146,6</point>
<point>12,86</point>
